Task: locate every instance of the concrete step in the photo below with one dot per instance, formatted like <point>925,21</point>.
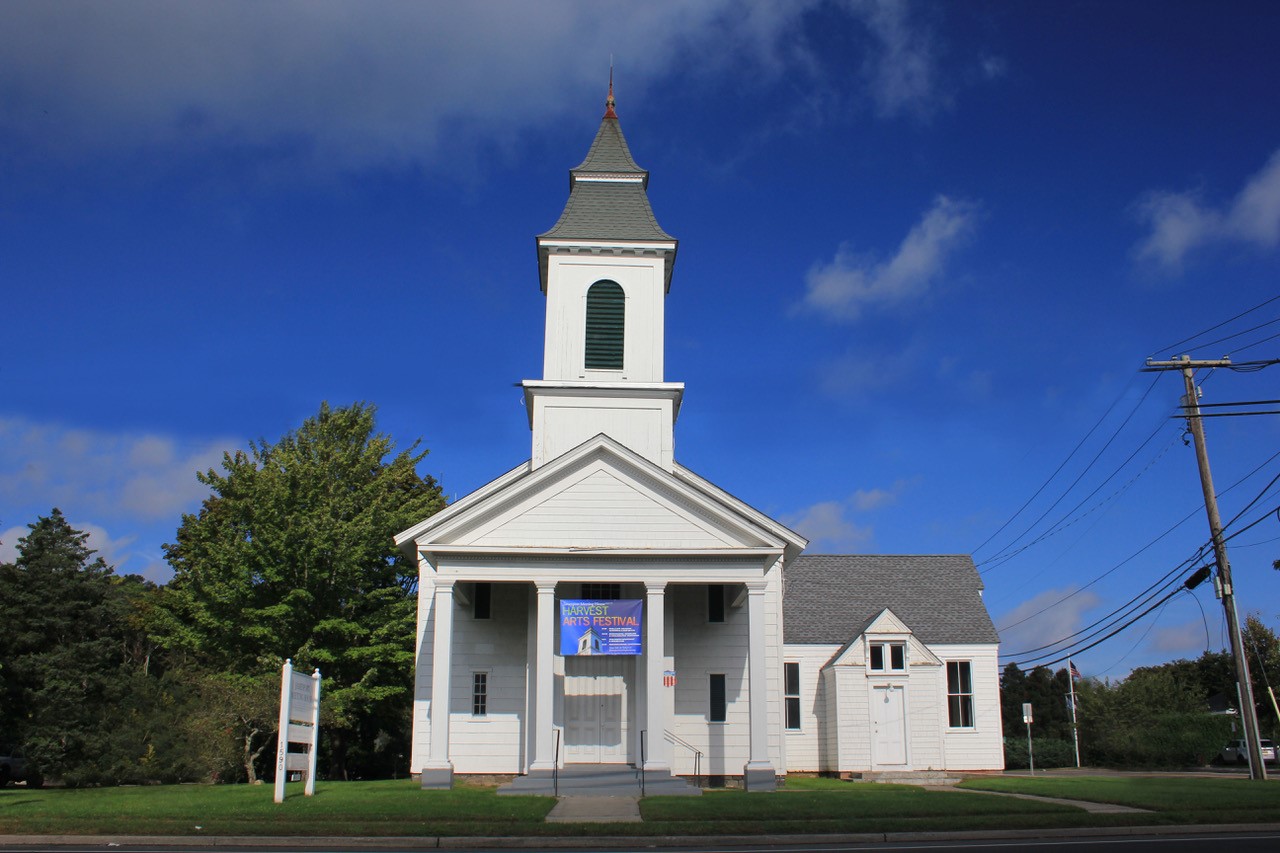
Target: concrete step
<point>906,777</point>
<point>599,780</point>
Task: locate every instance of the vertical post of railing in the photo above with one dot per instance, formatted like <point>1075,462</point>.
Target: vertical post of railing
<point>555,768</point>
<point>642,734</point>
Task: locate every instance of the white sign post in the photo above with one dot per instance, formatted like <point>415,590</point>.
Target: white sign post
<point>1026,718</point>
<point>299,723</point>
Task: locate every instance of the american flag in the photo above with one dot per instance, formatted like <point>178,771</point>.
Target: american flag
<point>1075,673</point>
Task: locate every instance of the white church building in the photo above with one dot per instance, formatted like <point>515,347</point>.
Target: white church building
<point>603,604</point>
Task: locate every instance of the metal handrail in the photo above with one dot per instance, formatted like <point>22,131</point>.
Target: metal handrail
<point>555,768</point>
<point>697,753</point>
<point>642,759</point>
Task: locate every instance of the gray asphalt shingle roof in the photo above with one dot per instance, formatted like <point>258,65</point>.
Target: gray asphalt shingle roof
<point>832,598</point>
<point>611,210</point>
<point>607,212</point>
<point>609,152</point>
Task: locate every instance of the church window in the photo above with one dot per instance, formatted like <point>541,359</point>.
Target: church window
<point>479,694</point>
<point>606,310</point>
<point>718,707</point>
<point>791,693</point>
<point>715,602</point>
<point>482,601</point>
<point>888,657</point>
<point>959,694</point>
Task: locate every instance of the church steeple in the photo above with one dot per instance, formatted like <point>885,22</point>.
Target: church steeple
<point>605,267</point>
<point>607,198</point>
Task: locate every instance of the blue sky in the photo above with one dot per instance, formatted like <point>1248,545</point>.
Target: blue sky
<point>925,249</point>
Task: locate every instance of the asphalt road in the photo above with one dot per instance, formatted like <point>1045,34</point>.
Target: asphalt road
<point>1206,840</point>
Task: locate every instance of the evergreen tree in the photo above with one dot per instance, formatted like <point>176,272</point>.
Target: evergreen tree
<point>65,620</point>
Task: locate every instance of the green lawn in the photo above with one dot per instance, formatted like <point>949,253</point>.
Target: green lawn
<point>1176,799</point>
<point>805,806</point>
<point>397,807</point>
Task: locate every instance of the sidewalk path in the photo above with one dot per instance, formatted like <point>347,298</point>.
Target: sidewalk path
<point>595,810</point>
<point>1087,805</point>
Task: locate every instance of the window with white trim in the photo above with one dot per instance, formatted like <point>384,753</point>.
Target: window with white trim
<point>718,706</point>
<point>959,694</point>
<point>479,694</point>
<point>888,657</point>
<point>715,602</point>
<point>791,693</point>
<point>482,601</point>
<point>602,591</point>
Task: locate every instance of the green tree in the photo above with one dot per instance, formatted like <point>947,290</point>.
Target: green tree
<point>63,647</point>
<point>291,556</point>
<point>1262,649</point>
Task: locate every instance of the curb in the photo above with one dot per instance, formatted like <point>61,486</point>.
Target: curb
<point>609,841</point>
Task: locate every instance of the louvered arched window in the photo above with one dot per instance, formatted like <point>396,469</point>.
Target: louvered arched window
<point>606,310</point>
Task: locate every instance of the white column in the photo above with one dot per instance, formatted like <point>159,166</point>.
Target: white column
<point>759,774</point>
<point>437,772</point>
<point>654,657</point>
<point>544,757</point>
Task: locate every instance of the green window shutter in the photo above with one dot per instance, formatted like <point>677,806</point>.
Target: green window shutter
<point>606,320</point>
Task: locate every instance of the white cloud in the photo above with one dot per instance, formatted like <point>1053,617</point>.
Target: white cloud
<point>1021,631</point>
<point>355,84</point>
<point>1180,223</point>
<point>902,72</point>
<point>101,474</point>
<point>374,84</point>
<point>849,285</point>
<point>1185,640</point>
<point>828,525</point>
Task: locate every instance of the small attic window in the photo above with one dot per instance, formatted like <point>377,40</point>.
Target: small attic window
<point>888,657</point>
<point>606,315</point>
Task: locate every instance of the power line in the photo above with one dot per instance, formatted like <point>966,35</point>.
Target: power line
<point>1058,470</point>
<point>1219,325</point>
<point>1086,470</point>
<point>1067,520</point>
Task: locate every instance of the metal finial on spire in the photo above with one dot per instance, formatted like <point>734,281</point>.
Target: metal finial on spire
<point>609,102</point>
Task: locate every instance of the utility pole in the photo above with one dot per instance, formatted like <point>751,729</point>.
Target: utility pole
<point>1191,405</point>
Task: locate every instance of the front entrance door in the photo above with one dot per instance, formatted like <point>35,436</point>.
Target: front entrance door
<point>888,726</point>
<point>595,708</point>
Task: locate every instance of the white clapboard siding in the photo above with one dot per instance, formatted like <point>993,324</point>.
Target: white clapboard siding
<point>981,747</point>
<point>602,510</point>
<point>496,646</point>
<point>806,748</point>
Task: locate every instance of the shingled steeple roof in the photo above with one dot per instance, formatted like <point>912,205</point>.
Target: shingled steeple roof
<point>607,202</point>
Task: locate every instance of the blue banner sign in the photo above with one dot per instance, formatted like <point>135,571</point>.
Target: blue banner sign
<point>600,627</point>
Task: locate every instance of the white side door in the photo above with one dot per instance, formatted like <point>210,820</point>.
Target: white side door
<point>888,726</point>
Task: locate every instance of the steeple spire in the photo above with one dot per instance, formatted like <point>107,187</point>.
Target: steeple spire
<point>608,102</point>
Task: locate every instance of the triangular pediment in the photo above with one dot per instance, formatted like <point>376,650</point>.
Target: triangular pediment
<point>886,627</point>
<point>599,496</point>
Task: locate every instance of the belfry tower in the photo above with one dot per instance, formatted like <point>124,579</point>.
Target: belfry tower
<point>605,268</point>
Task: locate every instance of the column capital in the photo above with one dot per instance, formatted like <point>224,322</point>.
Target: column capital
<point>757,587</point>
<point>655,587</point>
<point>545,587</point>
<point>443,584</point>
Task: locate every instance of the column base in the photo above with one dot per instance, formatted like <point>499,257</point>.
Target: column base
<point>542,767</point>
<point>759,776</point>
<point>437,778</point>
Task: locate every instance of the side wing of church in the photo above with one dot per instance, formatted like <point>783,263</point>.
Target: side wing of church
<point>602,604</point>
